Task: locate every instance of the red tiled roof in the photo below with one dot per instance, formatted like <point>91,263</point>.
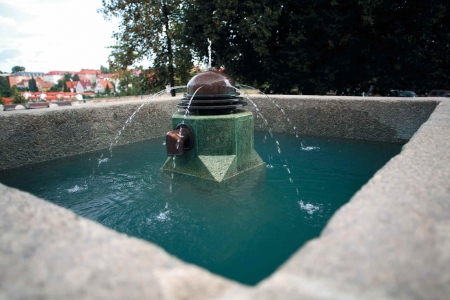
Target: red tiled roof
<point>105,83</point>
<point>7,100</point>
<point>22,82</point>
<point>85,83</point>
<point>44,84</point>
<point>88,71</point>
<point>71,84</point>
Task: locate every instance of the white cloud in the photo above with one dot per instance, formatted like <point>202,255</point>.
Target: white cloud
<point>7,21</point>
<point>54,35</point>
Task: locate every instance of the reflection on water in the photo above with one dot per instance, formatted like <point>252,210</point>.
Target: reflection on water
<point>243,228</point>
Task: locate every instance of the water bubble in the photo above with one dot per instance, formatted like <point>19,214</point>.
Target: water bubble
<point>308,207</point>
<point>170,188</point>
<point>290,180</point>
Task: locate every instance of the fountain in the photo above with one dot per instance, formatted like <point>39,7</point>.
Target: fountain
<point>213,139</point>
<point>376,233</point>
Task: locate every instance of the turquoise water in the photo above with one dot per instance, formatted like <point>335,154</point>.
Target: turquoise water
<point>243,229</point>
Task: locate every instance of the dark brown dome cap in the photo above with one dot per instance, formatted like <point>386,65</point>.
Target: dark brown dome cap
<point>213,83</point>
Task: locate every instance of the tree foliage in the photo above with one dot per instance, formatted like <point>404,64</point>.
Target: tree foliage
<point>315,45</point>
<point>32,86</point>
<point>104,70</point>
<point>149,30</point>
<point>17,98</point>
<point>17,69</point>
<point>4,86</point>
<point>280,45</point>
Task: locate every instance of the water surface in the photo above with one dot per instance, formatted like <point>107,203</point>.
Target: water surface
<point>242,229</point>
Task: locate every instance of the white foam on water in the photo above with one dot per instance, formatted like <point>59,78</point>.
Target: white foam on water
<point>308,207</point>
<point>308,148</point>
<point>77,188</point>
<point>163,216</point>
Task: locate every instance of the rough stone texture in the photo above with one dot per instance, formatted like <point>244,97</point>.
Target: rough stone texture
<point>223,146</point>
<point>391,241</point>
<point>39,135</point>
<point>33,136</point>
<point>47,252</point>
<point>369,118</point>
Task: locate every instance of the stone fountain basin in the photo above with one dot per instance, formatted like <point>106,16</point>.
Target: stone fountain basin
<point>391,241</point>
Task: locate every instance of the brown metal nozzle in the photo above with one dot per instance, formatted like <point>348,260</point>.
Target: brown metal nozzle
<point>180,140</point>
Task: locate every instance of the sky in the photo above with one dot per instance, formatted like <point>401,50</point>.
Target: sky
<point>54,35</point>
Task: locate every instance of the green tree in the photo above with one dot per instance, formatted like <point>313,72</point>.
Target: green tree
<point>75,77</point>
<point>32,86</point>
<point>65,88</point>
<point>104,70</point>
<point>59,86</point>
<point>148,30</point>
<point>4,86</point>
<point>17,98</point>
<point>322,44</point>
<point>1,99</point>
<point>107,90</point>
<point>67,77</point>
<point>17,69</point>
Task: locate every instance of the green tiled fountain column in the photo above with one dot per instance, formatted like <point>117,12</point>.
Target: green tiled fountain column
<point>223,146</point>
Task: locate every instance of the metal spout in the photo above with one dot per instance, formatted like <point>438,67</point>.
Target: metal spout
<point>180,140</point>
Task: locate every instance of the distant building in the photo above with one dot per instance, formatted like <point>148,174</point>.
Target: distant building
<point>17,77</point>
<point>91,75</point>
<point>84,86</point>
<point>105,77</point>
<point>72,86</point>
<point>28,74</point>
<point>23,84</point>
<point>101,86</point>
<point>43,86</point>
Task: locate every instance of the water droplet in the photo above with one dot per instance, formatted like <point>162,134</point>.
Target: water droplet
<point>290,179</point>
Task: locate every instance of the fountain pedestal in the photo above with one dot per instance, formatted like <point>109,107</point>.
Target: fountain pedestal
<point>223,146</point>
